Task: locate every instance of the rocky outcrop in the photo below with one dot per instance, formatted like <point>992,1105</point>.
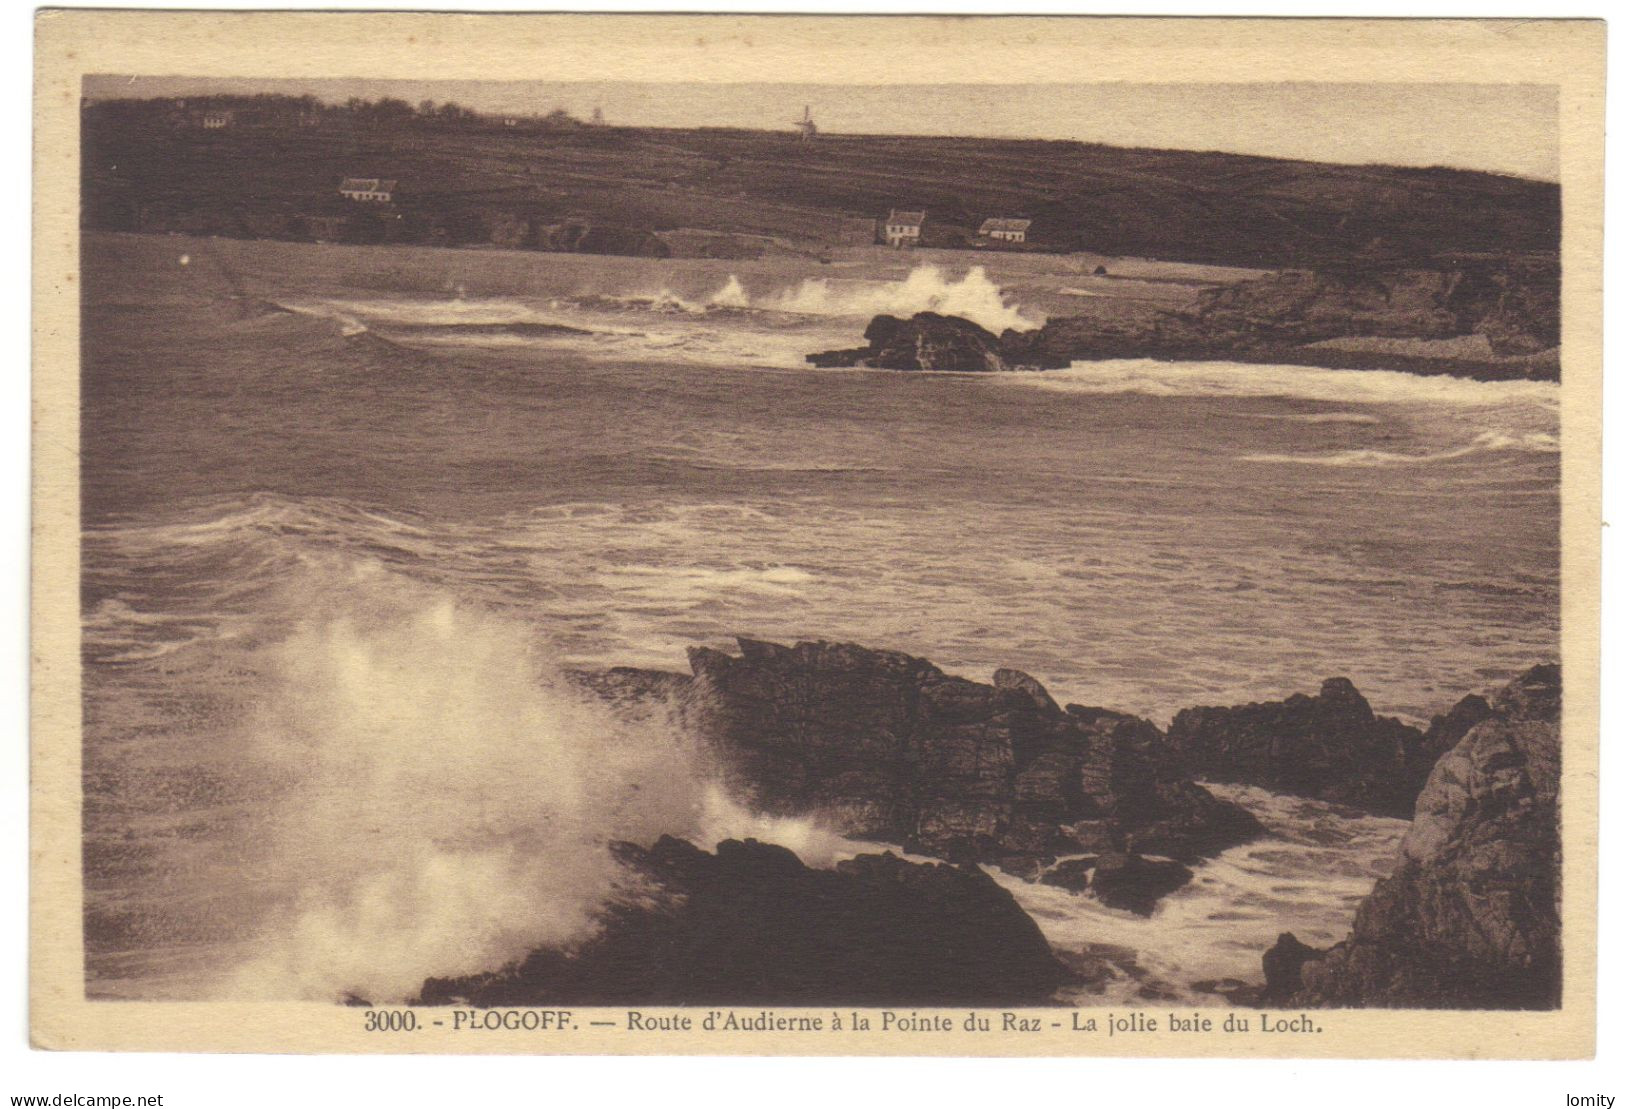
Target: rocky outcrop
<point>1416,316</point>
<point>1445,731</point>
<point>1469,918</point>
<point>926,341</point>
<point>1330,746</point>
<point>1283,967</point>
<point>751,925</point>
<point>885,746</point>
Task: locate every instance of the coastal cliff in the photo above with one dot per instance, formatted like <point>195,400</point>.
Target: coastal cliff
<point>1469,917</point>
<point>885,746</point>
<point>1492,321</point>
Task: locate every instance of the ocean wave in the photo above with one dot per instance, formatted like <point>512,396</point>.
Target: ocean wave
<point>204,575</point>
<point>926,288</point>
<point>1150,377</point>
<point>1317,417</point>
<point>431,796</point>
<point>1489,441</point>
<point>1306,875</point>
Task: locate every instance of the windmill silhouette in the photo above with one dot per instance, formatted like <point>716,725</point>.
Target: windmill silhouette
<point>806,125</point>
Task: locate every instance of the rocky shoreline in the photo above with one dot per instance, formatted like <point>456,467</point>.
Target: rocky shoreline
<point>1488,322</point>
<point>884,746</point>
<point>881,745</point>
<point>1469,919</point>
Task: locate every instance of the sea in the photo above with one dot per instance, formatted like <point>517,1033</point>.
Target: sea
<point>343,536</point>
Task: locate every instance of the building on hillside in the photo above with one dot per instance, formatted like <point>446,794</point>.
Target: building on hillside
<point>1005,230</point>
<point>368,190</point>
<point>903,228</point>
<point>217,119</point>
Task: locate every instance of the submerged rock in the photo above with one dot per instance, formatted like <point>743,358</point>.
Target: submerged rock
<point>1283,967</point>
<point>751,925</point>
<point>1330,746</point>
<point>1070,874</point>
<point>885,746</point>
<point>1121,881</point>
<point>1469,918</point>
<point>926,341</point>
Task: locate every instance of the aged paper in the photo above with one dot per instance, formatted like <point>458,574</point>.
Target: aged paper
<point>665,535</point>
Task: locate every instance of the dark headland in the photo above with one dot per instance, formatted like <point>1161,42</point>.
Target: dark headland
<point>1485,318</point>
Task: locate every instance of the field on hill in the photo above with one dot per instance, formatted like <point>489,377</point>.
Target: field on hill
<point>481,185</point>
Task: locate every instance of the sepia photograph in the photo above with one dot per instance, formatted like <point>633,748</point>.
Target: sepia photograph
<point>834,558</point>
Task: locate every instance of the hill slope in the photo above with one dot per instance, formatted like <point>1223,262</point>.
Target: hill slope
<point>461,185</point>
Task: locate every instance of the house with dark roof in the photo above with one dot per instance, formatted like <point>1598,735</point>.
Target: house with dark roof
<point>1005,230</point>
<point>903,227</point>
<point>368,190</point>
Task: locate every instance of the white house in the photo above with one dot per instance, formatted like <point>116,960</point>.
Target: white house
<point>371,190</point>
<point>903,228</point>
<point>218,119</point>
<point>1006,230</point>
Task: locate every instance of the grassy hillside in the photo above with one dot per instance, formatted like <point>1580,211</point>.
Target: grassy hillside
<point>477,184</point>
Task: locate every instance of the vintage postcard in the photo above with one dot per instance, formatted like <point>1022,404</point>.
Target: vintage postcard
<point>820,535</point>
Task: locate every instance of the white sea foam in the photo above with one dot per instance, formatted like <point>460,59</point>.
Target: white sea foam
<point>1485,442</point>
<point>1318,417</point>
<point>1306,875</point>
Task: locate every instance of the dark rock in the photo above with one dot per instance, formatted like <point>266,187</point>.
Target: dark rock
<point>927,341</point>
<point>838,359</point>
<point>1283,966</point>
<point>1445,731</point>
<point>750,925</point>
<point>885,746</point>
<point>1190,823</point>
<point>1134,882</point>
<point>1292,317</point>
<point>1469,918</point>
<point>1023,866</point>
<point>1330,746</point>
